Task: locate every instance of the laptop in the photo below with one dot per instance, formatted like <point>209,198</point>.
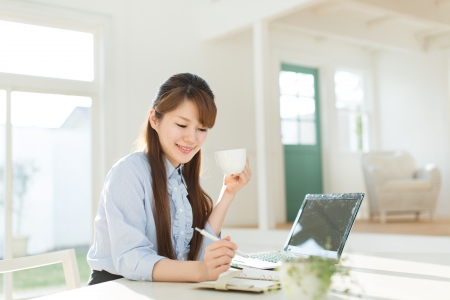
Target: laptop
<point>321,228</point>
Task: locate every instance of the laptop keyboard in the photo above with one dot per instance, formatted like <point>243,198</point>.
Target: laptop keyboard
<point>273,257</point>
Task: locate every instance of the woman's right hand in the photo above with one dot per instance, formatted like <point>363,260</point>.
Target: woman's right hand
<point>217,258</point>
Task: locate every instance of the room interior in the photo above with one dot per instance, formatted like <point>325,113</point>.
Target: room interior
<point>401,48</point>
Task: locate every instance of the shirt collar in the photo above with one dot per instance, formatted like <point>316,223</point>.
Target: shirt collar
<point>170,169</point>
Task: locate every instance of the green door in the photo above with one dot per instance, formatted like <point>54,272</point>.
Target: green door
<point>300,131</point>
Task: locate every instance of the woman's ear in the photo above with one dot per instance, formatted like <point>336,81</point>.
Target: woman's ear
<point>152,119</point>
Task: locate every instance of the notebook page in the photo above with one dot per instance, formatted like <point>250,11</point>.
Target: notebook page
<point>254,263</point>
<point>251,283</point>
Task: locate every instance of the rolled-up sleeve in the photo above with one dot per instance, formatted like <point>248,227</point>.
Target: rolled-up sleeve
<point>133,254</point>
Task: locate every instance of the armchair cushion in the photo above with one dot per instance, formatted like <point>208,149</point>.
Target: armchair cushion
<point>399,165</point>
<point>407,185</point>
<point>395,185</point>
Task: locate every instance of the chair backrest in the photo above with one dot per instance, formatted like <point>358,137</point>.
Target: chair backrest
<point>66,257</point>
<point>392,165</point>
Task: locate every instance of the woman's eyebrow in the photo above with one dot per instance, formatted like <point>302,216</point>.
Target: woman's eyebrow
<point>186,119</point>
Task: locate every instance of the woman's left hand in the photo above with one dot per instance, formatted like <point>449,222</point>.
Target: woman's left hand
<point>234,182</point>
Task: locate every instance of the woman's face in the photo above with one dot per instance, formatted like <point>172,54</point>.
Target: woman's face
<point>180,133</point>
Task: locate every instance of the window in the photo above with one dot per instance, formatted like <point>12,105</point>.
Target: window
<point>297,108</point>
<point>50,137</point>
<point>51,143</point>
<point>353,124</point>
<point>45,51</point>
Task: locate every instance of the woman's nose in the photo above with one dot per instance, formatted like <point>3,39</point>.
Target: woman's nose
<point>189,136</point>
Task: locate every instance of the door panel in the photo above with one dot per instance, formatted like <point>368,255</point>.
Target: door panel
<point>300,125</point>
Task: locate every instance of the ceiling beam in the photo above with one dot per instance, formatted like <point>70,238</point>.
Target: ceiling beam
<point>430,32</point>
<point>362,38</point>
<point>380,20</point>
<point>327,8</point>
<point>442,3</point>
<point>422,11</point>
<point>438,41</point>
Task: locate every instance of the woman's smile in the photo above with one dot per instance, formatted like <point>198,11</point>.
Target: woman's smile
<point>185,150</point>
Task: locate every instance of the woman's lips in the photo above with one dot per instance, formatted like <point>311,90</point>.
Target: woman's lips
<point>185,149</point>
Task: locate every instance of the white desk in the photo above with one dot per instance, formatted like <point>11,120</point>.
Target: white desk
<point>390,276</point>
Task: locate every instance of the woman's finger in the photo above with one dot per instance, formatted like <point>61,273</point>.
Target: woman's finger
<point>247,169</point>
<point>222,260</point>
<point>221,252</point>
<point>219,270</point>
<point>243,177</point>
<point>222,243</point>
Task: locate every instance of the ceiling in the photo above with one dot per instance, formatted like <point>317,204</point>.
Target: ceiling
<point>417,25</point>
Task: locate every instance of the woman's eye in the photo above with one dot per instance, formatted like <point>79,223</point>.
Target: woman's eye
<point>182,126</point>
<point>203,129</point>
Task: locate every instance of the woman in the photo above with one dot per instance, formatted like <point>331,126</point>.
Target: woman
<point>152,199</point>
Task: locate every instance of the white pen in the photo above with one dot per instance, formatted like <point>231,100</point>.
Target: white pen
<point>213,238</point>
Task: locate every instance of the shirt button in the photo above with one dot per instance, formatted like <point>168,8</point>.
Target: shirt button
<point>181,210</point>
<point>181,232</point>
<point>175,188</point>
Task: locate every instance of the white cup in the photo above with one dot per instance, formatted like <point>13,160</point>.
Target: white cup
<point>231,161</point>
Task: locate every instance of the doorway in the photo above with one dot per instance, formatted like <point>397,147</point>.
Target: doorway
<point>300,135</point>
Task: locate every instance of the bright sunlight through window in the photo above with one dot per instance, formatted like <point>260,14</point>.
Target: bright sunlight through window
<point>353,122</point>
<point>297,108</point>
<point>44,51</point>
<point>42,110</point>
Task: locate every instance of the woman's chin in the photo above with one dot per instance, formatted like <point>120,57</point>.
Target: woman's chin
<point>185,159</point>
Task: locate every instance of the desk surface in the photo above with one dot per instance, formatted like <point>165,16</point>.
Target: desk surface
<point>390,276</point>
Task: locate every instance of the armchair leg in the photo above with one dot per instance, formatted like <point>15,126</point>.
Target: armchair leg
<point>382,217</point>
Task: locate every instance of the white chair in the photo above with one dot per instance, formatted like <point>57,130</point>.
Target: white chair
<point>66,257</point>
<point>394,185</point>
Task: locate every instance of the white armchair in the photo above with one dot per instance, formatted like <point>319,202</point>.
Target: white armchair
<point>394,185</point>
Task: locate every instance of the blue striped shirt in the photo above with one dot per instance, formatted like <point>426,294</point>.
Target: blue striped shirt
<point>124,229</point>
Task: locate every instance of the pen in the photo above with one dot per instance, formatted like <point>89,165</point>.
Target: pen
<point>213,238</point>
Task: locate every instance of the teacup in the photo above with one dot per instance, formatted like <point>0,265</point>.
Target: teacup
<point>231,161</point>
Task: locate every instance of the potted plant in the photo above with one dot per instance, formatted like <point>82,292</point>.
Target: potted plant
<point>23,173</point>
<point>309,278</point>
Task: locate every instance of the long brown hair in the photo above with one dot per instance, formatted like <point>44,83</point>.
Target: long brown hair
<point>171,94</point>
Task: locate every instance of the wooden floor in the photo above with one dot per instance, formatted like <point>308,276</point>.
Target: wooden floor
<point>398,225</point>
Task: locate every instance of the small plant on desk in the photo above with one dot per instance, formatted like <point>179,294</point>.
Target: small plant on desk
<point>309,278</point>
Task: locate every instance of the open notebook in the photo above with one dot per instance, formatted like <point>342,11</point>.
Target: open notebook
<point>247,279</point>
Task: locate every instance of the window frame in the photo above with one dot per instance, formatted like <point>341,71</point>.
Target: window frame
<point>52,16</point>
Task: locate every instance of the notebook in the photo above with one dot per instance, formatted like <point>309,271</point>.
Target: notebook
<point>321,228</point>
<point>238,280</point>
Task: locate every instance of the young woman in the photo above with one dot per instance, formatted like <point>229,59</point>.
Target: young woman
<point>152,199</point>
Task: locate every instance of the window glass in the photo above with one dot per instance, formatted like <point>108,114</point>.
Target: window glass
<point>51,141</point>
<point>45,51</point>
<point>353,122</point>
<point>297,108</point>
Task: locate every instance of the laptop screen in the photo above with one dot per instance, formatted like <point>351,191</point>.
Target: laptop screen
<point>323,226</point>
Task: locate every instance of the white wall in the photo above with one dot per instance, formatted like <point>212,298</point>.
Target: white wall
<point>414,111</point>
